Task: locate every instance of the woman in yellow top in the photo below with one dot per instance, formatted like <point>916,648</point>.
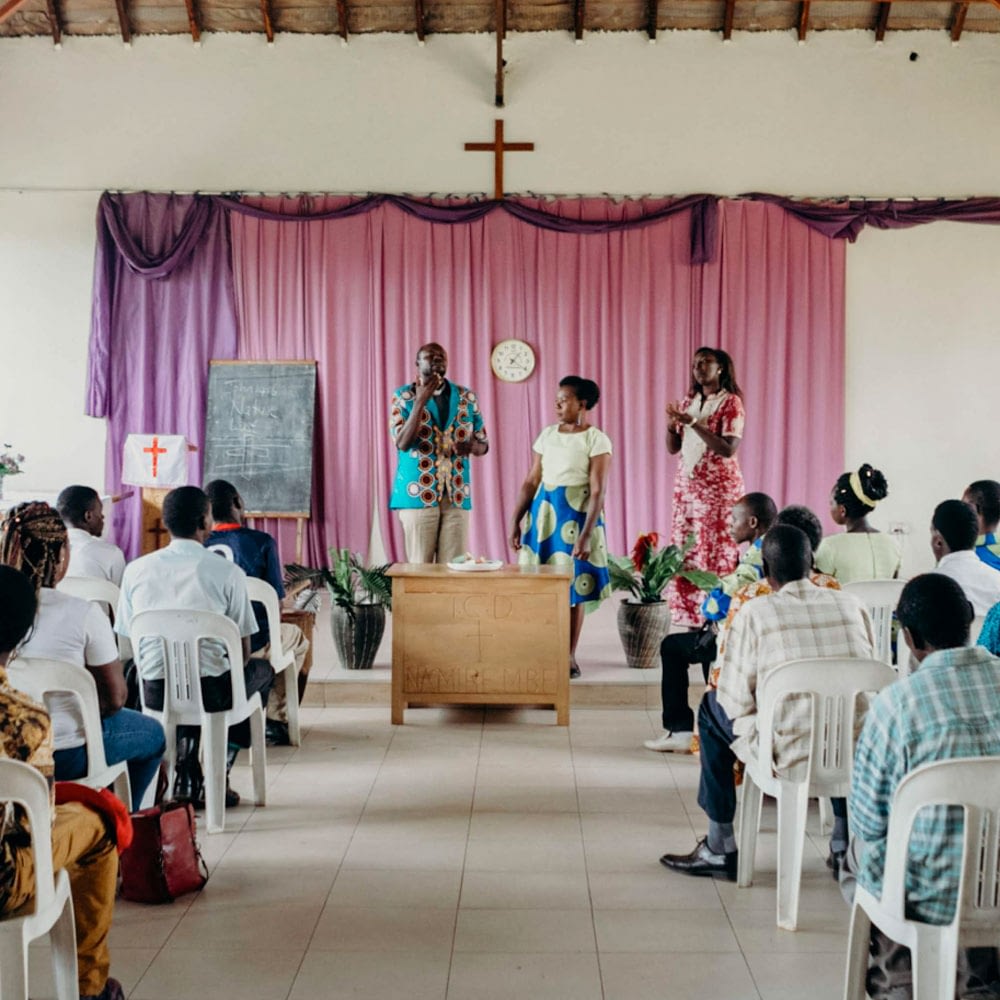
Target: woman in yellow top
<point>861,552</point>
<point>564,492</point>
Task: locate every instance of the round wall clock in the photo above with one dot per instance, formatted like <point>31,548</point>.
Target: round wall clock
<point>512,360</point>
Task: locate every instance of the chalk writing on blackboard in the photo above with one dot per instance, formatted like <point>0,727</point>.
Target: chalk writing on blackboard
<point>259,432</point>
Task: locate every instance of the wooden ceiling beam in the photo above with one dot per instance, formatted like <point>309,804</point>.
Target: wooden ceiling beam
<point>418,16</point>
<point>882,21</point>
<point>123,24</point>
<point>803,19</point>
<point>265,15</point>
<point>9,8</point>
<point>958,20</point>
<point>727,22</point>
<point>579,11</point>
<point>55,22</point>
<point>651,16</point>
<point>501,26</point>
<point>193,25</point>
<point>342,18</point>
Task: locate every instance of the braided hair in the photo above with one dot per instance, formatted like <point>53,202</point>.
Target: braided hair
<point>859,492</point>
<point>32,541</point>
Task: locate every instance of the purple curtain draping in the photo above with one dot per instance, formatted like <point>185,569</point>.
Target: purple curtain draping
<point>163,306</point>
<point>622,305</point>
<point>845,219</point>
<point>536,212</point>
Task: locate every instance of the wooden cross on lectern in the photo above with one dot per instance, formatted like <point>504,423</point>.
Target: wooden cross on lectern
<point>498,147</point>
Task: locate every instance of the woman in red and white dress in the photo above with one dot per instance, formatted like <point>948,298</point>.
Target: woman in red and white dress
<point>705,430</point>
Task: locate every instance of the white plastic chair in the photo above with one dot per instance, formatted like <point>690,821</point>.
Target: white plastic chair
<point>280,658</point>
<point>51,910</point>
<point>974,785</point>
<point>833,685</point>
<point>36,677</point>
<point>880,598</point>
<point>180,634</point>
<point>103,592</point>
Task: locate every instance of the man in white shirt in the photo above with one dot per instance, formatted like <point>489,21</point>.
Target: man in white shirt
<point>954,530</point>
<point>187,575</point>
<point>798,621</point>
<point>83,514</point>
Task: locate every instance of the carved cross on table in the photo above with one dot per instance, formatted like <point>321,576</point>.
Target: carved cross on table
<point>157,531</point>
<point>155,451</point>
<point>498,147</point>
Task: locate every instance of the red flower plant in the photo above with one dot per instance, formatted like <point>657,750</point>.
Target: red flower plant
<point>644,545</point>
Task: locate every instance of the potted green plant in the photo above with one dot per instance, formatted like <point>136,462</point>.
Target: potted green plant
<point>10,465</point>
<point>361,596</point>
<point>644,616</point>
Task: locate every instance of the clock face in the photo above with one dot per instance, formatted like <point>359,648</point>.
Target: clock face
<point>512,360</point>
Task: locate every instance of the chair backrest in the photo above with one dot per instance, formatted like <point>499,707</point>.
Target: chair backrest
<point>833,685</point>
<point>880,598</point>
<point>975,628</point>
<point>91,588</point>
<point>23,784</point>
<point>264,593</point>
<point>36,677</point>
<point>972,783</point>
<point>180,634</point>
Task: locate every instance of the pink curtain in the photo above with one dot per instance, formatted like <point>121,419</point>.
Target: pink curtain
<point>626,308</point>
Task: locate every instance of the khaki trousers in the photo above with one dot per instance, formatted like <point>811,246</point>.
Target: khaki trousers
<point>81,845</point>
<point>429,532</point>
<point>291,639</point>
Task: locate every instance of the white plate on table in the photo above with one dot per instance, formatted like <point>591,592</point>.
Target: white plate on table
<point>470,566</point>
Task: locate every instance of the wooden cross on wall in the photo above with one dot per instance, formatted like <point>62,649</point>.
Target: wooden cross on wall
<point>498,147</point>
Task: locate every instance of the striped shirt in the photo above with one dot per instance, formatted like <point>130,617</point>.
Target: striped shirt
<point>801,621</point>
<point>948,708</point>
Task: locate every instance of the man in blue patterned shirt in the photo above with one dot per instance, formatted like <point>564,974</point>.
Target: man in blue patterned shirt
<point>948,708</point>
<point>437,429</point>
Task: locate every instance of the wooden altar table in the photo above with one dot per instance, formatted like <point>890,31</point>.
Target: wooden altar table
<point>493,638</point>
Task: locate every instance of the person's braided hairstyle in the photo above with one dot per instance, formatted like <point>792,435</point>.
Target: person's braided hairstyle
<point>32,541</point>
<point>860,492</point>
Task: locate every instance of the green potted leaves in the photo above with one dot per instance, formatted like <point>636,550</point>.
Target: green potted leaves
<point>644,616</point>
<point>361,596</point>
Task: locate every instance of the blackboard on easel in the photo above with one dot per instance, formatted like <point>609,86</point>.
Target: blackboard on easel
<point>259,433</point>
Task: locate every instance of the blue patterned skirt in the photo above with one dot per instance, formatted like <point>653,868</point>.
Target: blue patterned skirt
<point>554,522</point>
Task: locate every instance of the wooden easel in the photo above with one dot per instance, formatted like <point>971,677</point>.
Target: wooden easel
<point>300,519</point>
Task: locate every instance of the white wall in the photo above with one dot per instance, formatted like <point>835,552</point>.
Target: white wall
<point>837,115</point>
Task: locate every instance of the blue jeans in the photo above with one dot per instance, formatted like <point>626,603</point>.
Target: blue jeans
<point>129,736</point>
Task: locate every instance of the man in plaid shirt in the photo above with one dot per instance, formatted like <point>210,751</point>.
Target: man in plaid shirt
<point>948,708</point>
<point>798,621</point>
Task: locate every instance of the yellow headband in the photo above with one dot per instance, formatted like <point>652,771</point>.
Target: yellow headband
<point>859,492</point>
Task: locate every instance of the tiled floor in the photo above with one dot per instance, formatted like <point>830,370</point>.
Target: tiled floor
<point>480,854</point>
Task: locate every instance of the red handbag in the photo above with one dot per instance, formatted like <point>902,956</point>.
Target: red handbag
<point>164,861</point>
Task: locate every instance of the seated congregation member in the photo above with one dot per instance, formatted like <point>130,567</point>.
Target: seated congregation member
<point>861,552</point>
<point>750,517</point>
<point>80,840</point>
<point>75,631</point>
<point>953,540</point>
<point>989,634</point>
<point>256,553</point>
<point>83,514</point>
<point>187,575</point>
<point>798,621</point>
<point>983,496</point>
<point>948,708</point>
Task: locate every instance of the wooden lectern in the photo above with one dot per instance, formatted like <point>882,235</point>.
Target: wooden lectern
<point>157,463</point>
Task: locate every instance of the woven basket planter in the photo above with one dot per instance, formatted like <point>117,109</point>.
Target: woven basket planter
<point>357,640</point>
<point>642,627</point>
